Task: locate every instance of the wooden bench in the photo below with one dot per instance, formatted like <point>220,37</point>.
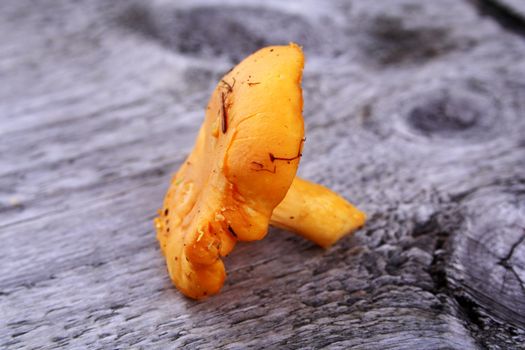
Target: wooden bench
<point>415,111</point>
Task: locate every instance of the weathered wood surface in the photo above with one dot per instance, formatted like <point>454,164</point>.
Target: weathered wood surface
<point>415,111</point>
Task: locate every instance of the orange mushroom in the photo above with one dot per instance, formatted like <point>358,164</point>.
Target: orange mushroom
<point>243,165</point>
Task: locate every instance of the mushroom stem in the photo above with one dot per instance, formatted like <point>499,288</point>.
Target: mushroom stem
<point>316,213</point>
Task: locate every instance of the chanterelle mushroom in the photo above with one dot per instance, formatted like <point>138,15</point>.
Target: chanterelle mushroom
<point>243,165</point>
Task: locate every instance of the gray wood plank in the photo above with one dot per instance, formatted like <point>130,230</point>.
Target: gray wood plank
<point>414,111</point>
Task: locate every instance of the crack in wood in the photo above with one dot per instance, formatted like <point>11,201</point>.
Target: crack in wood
<point>502,14</point>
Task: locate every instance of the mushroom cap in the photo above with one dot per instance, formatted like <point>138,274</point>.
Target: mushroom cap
<point>244,160</point>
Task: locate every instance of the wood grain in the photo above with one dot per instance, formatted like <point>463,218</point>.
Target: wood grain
<point>415,111</point>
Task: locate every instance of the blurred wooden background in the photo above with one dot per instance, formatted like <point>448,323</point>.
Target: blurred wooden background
<point>415,111</point>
